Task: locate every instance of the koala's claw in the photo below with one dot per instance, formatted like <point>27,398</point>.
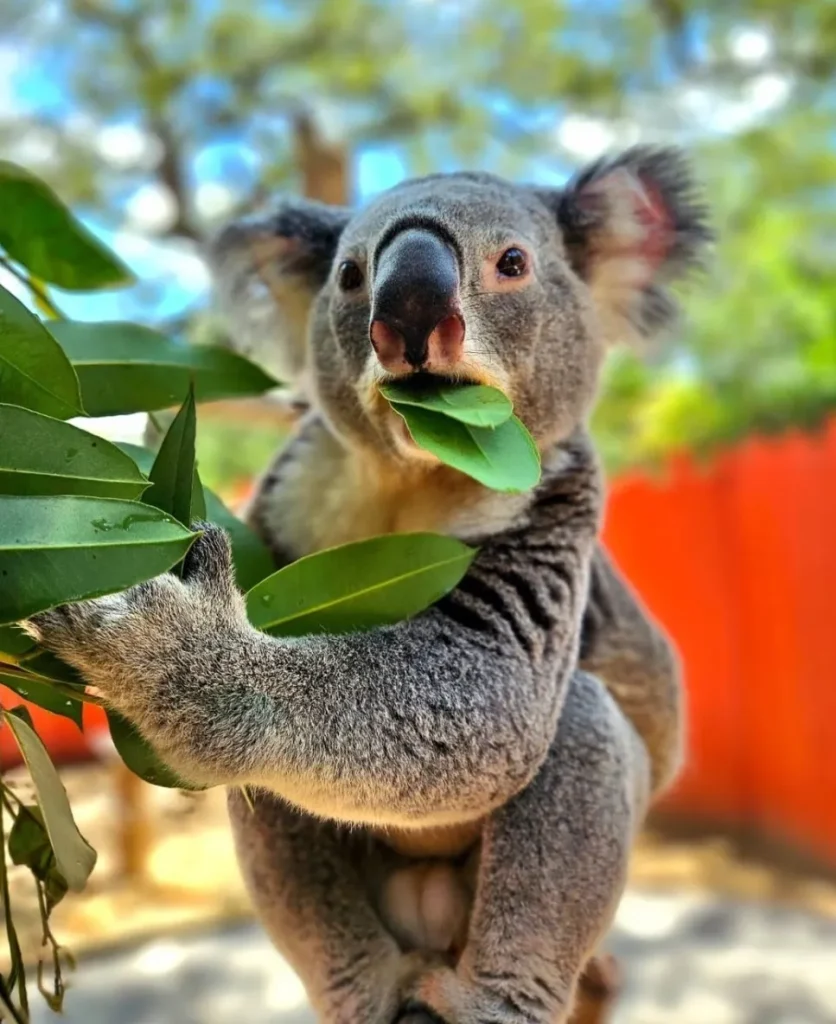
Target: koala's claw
<point>209,560</point>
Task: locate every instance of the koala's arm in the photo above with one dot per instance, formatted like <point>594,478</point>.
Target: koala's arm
<point>634,659</point>
<point>449,713</point>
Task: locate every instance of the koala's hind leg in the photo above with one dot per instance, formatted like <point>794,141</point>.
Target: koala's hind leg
<point>553,867</point>
<point>304,879</point>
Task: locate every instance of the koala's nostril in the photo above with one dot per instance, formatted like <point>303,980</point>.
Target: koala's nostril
<point>411,350</point>
<point>389,344</point>
<point>446,342</point>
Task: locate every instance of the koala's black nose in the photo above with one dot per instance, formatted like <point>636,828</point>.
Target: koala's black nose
<point>416,320</point>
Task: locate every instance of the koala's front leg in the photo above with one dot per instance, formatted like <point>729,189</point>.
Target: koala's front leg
<point>433,721</point>
<point>156,653</point>
<point>552,871</point>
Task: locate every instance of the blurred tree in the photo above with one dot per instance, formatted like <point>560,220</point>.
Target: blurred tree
<point>167,115</point>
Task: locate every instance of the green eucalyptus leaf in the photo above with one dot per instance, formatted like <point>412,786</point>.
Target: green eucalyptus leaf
<point>504,458</point>
<point>29,845</point>
<point>173,474</point>
<point>475,404</point>
<point>45,664</point>
<point>253,561</point>
<point>143,457</point>
<point>74,856</point>
<point>64,548</point>
<point>126,368</point>
<point>14,644</point>
<point>34,370</point>
<point>37,691</point>
<point>42,455</point>
<point>140,756</point>
<point>39,232</point>
<point>358,586</point>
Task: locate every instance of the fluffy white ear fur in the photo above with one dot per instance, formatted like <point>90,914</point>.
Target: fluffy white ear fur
<point>632,225</point>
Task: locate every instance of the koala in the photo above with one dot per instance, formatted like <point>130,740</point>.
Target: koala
<point>440,812</point>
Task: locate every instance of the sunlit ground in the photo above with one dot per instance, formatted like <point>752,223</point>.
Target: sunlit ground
<point>702,937</point>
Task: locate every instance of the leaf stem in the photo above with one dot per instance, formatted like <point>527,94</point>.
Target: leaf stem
<point>18,971</point>
<point>40,294</point>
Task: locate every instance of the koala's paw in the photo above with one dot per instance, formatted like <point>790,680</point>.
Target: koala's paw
<point>124,644</point>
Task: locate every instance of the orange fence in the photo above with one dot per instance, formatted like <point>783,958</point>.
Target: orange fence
<point>737,560</point>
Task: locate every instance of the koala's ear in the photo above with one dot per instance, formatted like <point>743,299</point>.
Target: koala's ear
<point>631,225</point>
<point>266,270</point>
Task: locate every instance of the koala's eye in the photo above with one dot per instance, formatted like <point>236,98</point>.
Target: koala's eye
<point>349,276</point>
<point>512,263</point>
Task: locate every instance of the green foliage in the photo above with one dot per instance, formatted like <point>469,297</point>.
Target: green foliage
<point>74,856</point>
<point>139,756</point>
<point>357,586</point>
<point>40,233</point>
<point>34,369</point>
<point>502,456</point>
<point>69,547</point>
<point>29,688</point>
<point>173,474</point>
<point>126,368</point>
<point>474,404</point>
<point>40,455</point>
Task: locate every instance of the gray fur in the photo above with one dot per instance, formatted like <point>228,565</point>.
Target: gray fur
<point>524,721</point>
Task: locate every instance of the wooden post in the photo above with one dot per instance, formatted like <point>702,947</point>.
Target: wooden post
<point>134,831</point>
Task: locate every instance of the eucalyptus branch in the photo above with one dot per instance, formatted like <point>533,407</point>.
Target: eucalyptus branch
<point>55,997</point>
<point>40,294</point>
<point>17,975</point>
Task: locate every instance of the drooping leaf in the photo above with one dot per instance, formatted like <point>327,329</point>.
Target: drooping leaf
<point>29,844</point>
<point>173,474</point>
<point>38,231</point>
<point>253,561</point>
<point>126,368</point>
<point>358,586</point>
<point>34,371</point>
<point>476,404</point>
<point>73,854</point>
<point>68,548</point>
<point>140,756</point>
<point>42,455</point>
<point>14,643</point>
<point>41,693</point>
<point>504,458</point>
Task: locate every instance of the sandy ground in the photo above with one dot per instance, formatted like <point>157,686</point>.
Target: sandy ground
<point>703,938</point>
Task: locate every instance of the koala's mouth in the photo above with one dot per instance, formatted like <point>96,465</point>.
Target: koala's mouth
<point>424,382</point>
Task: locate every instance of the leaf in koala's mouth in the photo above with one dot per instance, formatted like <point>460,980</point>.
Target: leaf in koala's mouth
<point>504,458</point>
<point>474,404</point>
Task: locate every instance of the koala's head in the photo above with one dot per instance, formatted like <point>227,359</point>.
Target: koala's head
<point>466,277</point>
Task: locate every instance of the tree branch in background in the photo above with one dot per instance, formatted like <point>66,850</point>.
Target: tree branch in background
<point>128,27</point>
<point>323,165</point>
